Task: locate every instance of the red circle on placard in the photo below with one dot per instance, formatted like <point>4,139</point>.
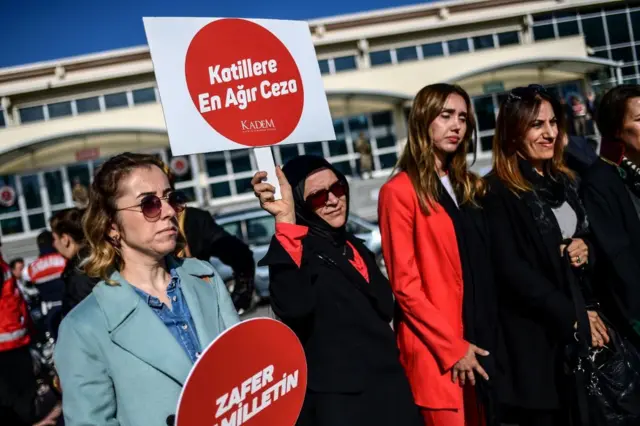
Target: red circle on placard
<point>245,357</point>
<point>250,47</point>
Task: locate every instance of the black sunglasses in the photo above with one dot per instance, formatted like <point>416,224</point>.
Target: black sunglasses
<point>319,199</point>
<point>151,205</point>
<point>531,91</point>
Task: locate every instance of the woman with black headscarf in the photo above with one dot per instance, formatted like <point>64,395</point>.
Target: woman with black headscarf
<point>326,286</point>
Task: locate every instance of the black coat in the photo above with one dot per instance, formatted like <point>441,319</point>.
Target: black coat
<point>343,324</point>
<point>536,310</point>
<point>207,239</point>
<point>77,285</point>
<point>616,230</point>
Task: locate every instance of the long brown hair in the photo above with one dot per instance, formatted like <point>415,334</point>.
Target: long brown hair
<point>105,256</point>
<point>418,159</point>
<point>517,112</point>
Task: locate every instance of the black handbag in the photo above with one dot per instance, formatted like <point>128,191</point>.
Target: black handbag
<point>606,380</point>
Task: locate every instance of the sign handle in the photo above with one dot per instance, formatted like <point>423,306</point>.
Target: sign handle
<point>266,163</point>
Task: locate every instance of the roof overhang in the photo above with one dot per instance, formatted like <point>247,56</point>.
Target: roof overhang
<point>351,102</point>
<point>568,64</point>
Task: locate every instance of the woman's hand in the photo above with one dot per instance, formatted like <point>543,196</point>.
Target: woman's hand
<point>578,252</point>
<point>284,209</point>
<point>464,369</point>
<point>599,335</point>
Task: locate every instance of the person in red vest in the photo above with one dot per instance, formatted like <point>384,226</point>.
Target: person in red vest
<point>20,403</point>
<point>45,273</point>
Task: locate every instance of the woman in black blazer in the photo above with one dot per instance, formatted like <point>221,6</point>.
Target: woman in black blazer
<point>326,286</point>
<point>534,214</point>
<point>611,193</point>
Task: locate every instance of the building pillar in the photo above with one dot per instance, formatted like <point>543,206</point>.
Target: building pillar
<point>400,126</point>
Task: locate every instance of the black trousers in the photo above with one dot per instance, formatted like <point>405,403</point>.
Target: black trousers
<point>17,387</point>
<point>527,417</point>
<point>386,401</point>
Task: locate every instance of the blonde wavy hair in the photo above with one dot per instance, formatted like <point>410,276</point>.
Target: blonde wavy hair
<point>418,159</point>
<point>101,213</point>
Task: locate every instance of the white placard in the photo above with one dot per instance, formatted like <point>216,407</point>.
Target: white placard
<point>269,66</point>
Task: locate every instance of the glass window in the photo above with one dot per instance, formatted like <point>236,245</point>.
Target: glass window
<point>260,230</point>
<point>486,143</point>
<point>243,185</point>
<point>11,226</point>
<point>382,118</point>
<point>483,42</point>
<point>216,165</point>
<point>338,126</point>
<point>9,181</point>
<point>380,58</point>
<point>458,46</point>
<point>508,38</point>
<point>240,160</point>
<point>629,70</point>
<point>288,152</point>
<point>635,22</point>
<point>567,13</point>
<point>143,96</point>
<point>409,53</point>
<point>324,66</point>
<point>87,105</point>
<point>31,191</point>
<point>313,148</point>
<point>594,32</point>
<point>542,17</point>
<point>358,123</point>
<point>37,222</point>
<point>233,228</point>
<point>485,112</point>
<point>344,167</point>
<point>388,161</point>
<point>566,29</point>
<point>432,49</point>
<point>116,100</point>
<point>31,114</point>
<point>386,141</point>
<point>601,54</point>
<point>53,182</point>
<point>59,109</point>
<point>220,189</point>
<point>618,28</point>
<point>190,193</point>
<point>79,173</point>
<point>622,54</point>
<point>345,63</point>
<point>338,147</point>
<point>543,32</point>
<point>3,123</point>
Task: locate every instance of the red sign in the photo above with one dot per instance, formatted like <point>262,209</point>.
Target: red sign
<point>248,88</point>
<point>253,374</point>
<point>88,154</point>
<point>7,196</point>
<point>179,166</point>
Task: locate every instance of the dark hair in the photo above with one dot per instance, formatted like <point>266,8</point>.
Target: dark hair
<point>68,221</point>
<point>610,115</point>
<point>45,240</point>
<point>101,213</point>
<point>516,114</point>
<point>15,261</point>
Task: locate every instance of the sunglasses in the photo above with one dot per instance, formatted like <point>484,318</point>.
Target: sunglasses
<point>151,205</point>
<point>319,199</point>
<point>531,91</point>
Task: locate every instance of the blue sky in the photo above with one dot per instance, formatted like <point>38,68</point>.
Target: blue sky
<point>39,30</point>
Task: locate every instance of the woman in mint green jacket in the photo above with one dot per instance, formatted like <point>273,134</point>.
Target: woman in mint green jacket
<point>124,353</point>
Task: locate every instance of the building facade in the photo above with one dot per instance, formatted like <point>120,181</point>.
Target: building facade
<point>59,120</point>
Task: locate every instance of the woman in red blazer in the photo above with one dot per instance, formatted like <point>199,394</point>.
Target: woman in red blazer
<point>434,242</point>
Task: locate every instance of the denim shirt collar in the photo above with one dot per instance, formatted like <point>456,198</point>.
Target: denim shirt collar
<point>154,302</point>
